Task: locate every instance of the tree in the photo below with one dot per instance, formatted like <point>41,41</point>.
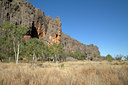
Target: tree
<point>64,55</point>
<point>109,58</point>
<point>55,52</point>
<point>77,55</point>
<point>14,35</point>
<point>6,46</point>
<point>126,57</point>
<point>3,49</point>
<point>17,38</point>
<point>119,57</point>
<point>34,49</point>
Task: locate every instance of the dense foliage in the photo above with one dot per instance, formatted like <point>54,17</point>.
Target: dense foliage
<point>126,57</point>
<point>109,58</point>
<point>77,55</point>
<point>11,40</point>
<point>13,46</point>
<point>119,57</point>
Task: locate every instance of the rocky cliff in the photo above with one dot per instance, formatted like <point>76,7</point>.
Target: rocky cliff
<point>46,29</point>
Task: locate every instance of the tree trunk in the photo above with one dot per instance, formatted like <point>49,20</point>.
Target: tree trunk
<point>42,57</point>
<point>14,50</point>
<point>34,57</point>
<point>9,59</point>
<point>55,58</point>
<point>18,52</point>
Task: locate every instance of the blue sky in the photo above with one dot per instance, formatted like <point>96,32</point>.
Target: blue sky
<point>100,22</point>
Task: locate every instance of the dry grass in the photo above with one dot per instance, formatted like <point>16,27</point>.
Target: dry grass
<point>66,73</point>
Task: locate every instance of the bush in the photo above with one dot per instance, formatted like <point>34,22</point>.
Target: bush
<point>109,58</point>
<point>126,57</point>
<point>77,55</point>
<point>118,57</point>
<point>62,65</point>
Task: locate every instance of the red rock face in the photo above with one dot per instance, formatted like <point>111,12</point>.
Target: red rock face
<point>43,33</point>
<point>50,43</point>
<point>38,28</point>
<point>27,37</point>
<point>54,30</point>
<point>55,38</point>
<point>59,36</point>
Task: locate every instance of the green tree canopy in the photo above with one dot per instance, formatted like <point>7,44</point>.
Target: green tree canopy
<point>55,51</point>
<point>34,48</point>
<point>126,57</point>
<point>77,55</point>
<point>13,36</point>
<point>109,58</point>
<point>119,57</point>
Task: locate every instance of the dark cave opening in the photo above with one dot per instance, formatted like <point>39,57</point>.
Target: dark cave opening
<point>10,0</point>
<point>16,23</point>
<point>56,35</point>
<point>34,33</point>
<point>8,16</point>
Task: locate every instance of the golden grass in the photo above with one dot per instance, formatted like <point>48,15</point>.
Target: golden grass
<point>66,73</point>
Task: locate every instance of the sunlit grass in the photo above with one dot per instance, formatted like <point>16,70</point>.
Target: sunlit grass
<point>66,73</point>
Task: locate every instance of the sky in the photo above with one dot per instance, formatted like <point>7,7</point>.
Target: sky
<point>103,23</point>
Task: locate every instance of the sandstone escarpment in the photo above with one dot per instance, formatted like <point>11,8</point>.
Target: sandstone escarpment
<point>46,29</point>
<point>20,12</point>
<point>73,45</point>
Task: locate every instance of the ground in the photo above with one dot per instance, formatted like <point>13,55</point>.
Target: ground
<point>66,73</point>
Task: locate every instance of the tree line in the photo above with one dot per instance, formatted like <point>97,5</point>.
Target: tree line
<point>117,57</point>
<point>13,47</point>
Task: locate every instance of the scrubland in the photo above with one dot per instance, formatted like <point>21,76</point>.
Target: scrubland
<point>65,73</point>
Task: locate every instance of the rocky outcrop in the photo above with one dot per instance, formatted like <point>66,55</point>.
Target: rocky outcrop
<point>46,29</point>
<point>23,13</point>
<point>73,45</point>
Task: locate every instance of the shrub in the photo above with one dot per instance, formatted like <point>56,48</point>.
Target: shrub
<point>109,58</point>
<point>62,65</point>
<point>77,55</point>
<point>126,57</point>
<point>118,58</point>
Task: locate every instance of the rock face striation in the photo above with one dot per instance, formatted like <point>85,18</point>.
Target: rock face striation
<point>45,28</point>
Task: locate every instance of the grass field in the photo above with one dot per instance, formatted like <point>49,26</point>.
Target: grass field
<point>66,73</point>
